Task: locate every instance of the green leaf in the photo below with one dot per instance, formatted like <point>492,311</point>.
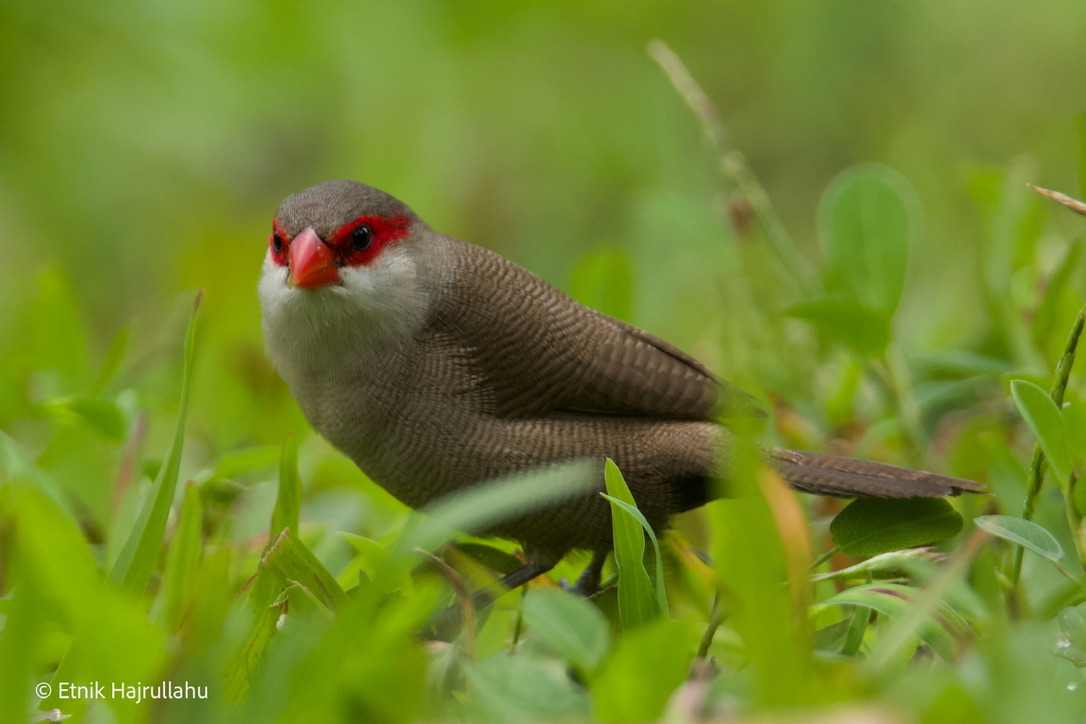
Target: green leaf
<point>638,600</point>
<point>109,634</point>
<point>866,221</point>
<point>830,639</point>
<point>1072,622</point>
<point>290,561</point>
<point>288,504</point>
<point>17,465</point>
<point>857,627</point>
<point>573,626</point>
<point>137,559</point>
<point>366,546</point>
<point>869,526</point>
<point>1024,532</point>
<point>511,688</point>
<point>863,328</point>
<point>1078,497</point>
<point>960,363</point>
<point>237,462</point>
<point>182,559</point>
<point>369,554</point>
<point>288,579</point>
<point>941,631</point>
<point>1044,419</point>
<point>102,416</point>
<point>646,666</point>
<point>658,578</point>
<point>882,565</point>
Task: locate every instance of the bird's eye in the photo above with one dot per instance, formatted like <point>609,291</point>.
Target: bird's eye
<point>362,237</point>
<point>276,242</point>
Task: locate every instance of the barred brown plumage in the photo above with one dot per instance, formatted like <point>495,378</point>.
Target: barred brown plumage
<point>435,364</point>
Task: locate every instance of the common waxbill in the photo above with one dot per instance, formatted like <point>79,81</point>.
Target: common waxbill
<point>435,364</point>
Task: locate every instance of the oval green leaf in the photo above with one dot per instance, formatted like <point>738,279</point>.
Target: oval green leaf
<point>1024,532</point>
<point>866,220</point>
<point>870,526</point>
<point>1044,419</point>
<point>573,626</point>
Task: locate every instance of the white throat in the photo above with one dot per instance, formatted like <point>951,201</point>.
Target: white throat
<point>336,329</point>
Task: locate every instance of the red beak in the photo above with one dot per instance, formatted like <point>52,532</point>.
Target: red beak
<point>312,264</point>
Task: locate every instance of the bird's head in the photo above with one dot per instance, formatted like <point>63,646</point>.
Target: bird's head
<point>341,252</point>
<point>336,233</point>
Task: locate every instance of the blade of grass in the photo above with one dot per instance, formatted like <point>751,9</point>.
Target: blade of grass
<point>182,560</point>
<point>633,512</point>
<point>638,602</point>
<point>137,559</point>
<point>940,630</point>
<point>927,603</point>
<point>287,574</point>
<point>16,464</point>
<point>288,504</point>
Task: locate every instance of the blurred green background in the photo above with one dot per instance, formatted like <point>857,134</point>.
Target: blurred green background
<point>145,145</point>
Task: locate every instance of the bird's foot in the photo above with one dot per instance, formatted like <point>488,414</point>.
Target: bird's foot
<point>588,585</point>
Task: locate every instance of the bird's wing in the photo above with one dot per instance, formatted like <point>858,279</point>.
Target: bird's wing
<point>538,352</point>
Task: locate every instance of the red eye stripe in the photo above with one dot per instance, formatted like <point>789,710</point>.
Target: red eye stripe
<point>383,231</point>
<point>280,256</point>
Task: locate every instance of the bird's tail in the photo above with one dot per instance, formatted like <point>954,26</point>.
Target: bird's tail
<point>847,478</point>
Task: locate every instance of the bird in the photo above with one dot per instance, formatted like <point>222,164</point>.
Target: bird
<point>435,365</point>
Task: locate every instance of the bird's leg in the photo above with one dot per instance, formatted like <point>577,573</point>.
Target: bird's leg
<point>447,621</point>
<point>589,582</point>
<point>533,568</point>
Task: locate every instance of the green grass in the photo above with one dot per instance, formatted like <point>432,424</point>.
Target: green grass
<point>165,513</point>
